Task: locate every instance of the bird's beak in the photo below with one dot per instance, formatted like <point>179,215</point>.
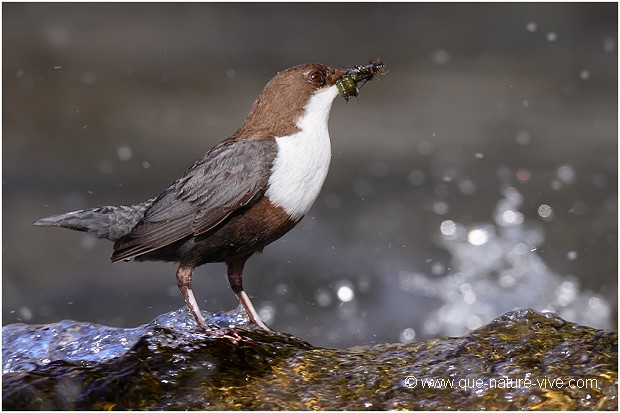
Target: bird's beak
<point>347,83</point>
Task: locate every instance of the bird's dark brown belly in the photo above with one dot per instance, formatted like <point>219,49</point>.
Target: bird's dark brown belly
<point>240,236</point>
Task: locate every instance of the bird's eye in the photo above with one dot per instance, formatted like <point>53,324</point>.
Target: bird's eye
<point>317,77</point>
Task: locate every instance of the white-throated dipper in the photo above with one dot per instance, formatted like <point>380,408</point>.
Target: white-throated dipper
<point>245,193</point>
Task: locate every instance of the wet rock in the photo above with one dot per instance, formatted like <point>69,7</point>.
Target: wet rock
<point>522,360</point>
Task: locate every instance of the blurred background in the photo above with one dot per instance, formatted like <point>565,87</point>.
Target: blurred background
<point>479,175</point>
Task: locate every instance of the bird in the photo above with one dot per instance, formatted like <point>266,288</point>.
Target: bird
<point>243,194</point>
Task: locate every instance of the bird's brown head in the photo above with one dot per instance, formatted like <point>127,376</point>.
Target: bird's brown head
<point>284,99</point>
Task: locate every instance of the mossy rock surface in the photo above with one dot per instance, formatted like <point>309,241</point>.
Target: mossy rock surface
<point>522,360</point>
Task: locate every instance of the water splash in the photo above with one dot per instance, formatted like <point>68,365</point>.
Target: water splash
<point>27,347</point>
<point>495,268</point>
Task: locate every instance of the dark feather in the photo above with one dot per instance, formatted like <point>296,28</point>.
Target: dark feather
<point>232,175</point>
<point>109,222</point>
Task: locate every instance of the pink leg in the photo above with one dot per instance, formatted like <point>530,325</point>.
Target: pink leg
<point>235,271</point>
<point>184,279</point>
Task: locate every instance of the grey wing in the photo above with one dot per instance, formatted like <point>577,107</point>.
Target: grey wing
<point>229,177</point>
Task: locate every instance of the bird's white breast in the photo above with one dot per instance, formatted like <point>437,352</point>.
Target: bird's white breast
<point>302,162</point>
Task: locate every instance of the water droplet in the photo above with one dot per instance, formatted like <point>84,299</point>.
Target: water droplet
<point>124,153</point>
<point>506,279</point>
<point>25,313</point>
<point>323,297</point>
<point>510,217</point>
<point>438,268</point>
<point>469,297</point>
<point>555,184</point>
<point>345,292</point>
<point>571,255</point>
<point>566,293</point>
<point>417,177</point>
<point>448,174</point>
<point>523,175</point>
<point>566,174</point>
<point>523,138</point>
<point>441,208</point>
<point>440,57</point>
<point>231,73</point>
<point>531,27</point>
<point>594,303</point>
<point>584,74</point>
<point>478,236</point>
<point>545,212</point>
<point>407,335</point>
<point>447,227</point>
<point>552,36</point>
<point>267,312</point>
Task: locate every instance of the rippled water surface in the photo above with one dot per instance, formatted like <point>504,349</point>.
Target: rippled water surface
<point>522,360</point>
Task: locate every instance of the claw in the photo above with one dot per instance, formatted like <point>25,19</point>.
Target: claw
<point>228,334</point>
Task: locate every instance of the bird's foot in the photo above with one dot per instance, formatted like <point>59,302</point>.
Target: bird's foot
<point>224,333</point>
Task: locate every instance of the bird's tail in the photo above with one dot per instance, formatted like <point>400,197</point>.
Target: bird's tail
<point>109,222</point>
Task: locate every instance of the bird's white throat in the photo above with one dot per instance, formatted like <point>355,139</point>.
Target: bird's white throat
<point>301,165</point>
